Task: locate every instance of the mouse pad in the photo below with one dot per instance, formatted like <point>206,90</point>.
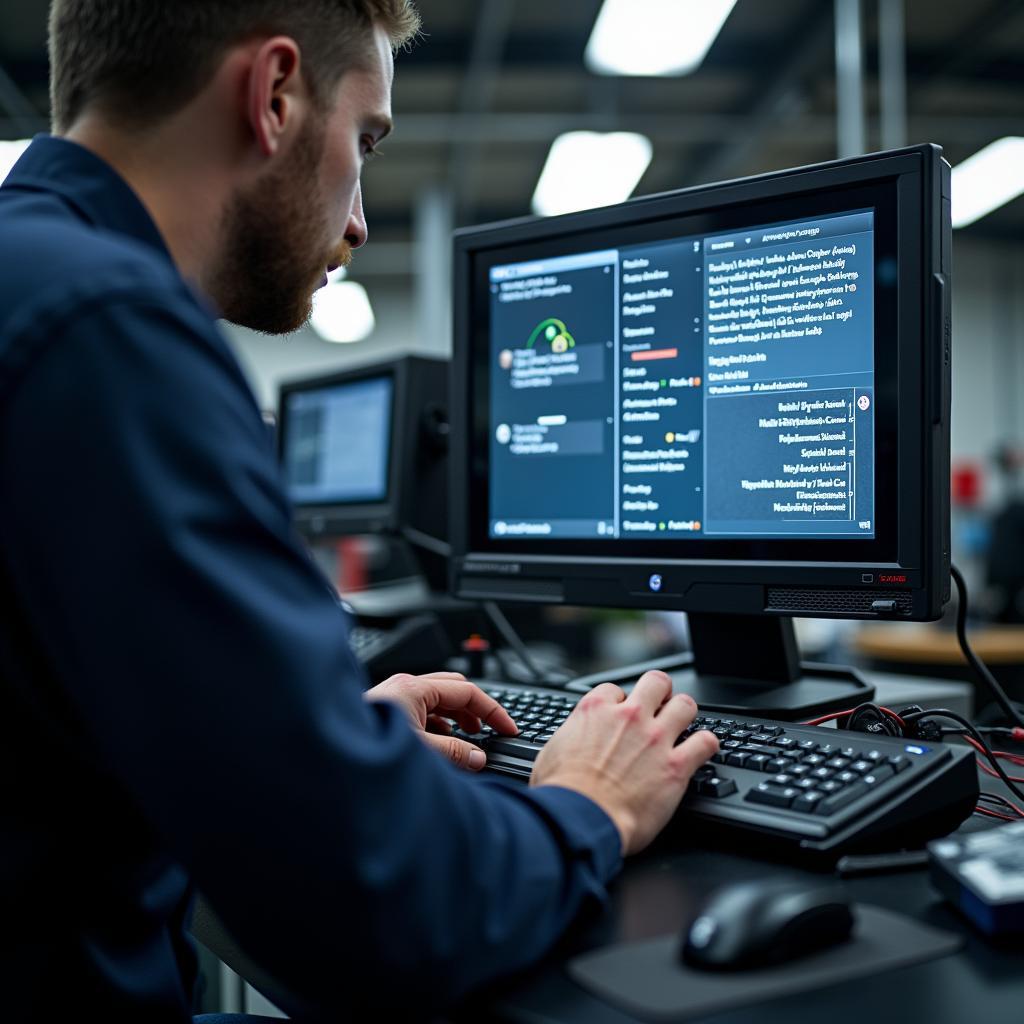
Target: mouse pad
<point>648,981</point>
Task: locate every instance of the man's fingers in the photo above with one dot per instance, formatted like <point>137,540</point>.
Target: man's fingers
<point>435,723</point>
<point>459,752</point>
<point>453,695</point>
<point>605,693</point>
<point>651,691</point>
<point>677,714</point>
<point>694,751</point>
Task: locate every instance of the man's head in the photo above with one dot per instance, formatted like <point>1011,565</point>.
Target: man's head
<point>300,91</point>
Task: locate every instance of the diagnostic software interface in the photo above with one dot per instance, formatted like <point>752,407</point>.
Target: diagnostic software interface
<point>710,386</point>
<point>337,441</point>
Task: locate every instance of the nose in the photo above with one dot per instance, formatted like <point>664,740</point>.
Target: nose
<point>355,229</point>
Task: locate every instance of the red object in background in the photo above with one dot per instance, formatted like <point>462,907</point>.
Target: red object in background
<point>352,574</point>
<point>965,484</point>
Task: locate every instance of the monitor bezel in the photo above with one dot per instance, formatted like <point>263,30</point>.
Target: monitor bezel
<point>587,574</point>
<point>340,518</point>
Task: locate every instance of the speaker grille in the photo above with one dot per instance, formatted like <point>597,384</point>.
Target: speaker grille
<point>812,599</point>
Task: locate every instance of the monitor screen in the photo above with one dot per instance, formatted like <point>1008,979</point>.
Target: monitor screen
<point>336,447</point>
<point>710,385</point>
<point>710,392</point>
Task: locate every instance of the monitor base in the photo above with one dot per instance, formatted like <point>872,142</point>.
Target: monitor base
<point>819,690</point>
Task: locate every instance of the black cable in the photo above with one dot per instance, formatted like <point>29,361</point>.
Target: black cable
<point>1001,801</point>
<point>512,638</point>
<point>971,730</point>
<point>981,672</point>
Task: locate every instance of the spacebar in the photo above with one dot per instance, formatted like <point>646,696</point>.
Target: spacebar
<point>514,748</point>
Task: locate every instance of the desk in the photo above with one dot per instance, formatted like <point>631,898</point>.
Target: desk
<point>659,891</point>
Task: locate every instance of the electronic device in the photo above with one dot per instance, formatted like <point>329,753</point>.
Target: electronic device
<point>982,874</point>
<point>365,450</point>
<point>730,400</point>
<point>796,788</point>
<point>759,924</point>
<point>407,643</point>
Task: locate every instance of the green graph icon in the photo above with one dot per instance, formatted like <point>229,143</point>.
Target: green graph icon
<point>555,333</point>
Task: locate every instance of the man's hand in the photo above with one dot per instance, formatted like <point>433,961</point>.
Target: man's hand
<point>620,751</point>
<point>431,700</point>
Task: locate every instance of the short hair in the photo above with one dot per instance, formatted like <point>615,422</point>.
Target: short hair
<point>139,61</point>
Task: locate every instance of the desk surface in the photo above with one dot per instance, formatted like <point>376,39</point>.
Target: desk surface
<point>660,890</point>
<point>926,644</point>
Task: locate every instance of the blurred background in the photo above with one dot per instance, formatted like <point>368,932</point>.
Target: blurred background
<point>486,107</point>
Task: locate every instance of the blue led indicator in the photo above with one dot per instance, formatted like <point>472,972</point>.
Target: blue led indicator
<point>654,582</point>
<point>916,750</point>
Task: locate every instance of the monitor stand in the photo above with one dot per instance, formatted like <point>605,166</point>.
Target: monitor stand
<point>748,664</point>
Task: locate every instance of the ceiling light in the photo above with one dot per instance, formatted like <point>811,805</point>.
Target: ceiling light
<point>342,312</point>
<point>10,151</point>
<point>588,169</point>
<point>654,37</point>
<point>987,180</point>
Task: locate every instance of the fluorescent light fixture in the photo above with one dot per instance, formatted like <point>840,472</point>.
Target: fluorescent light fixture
<point>654,37</point>
<point>342,312</point>
<point>987,180</point>
<point>588,169</point>
<point>10,152</point>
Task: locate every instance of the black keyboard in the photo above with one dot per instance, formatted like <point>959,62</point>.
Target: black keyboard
<point>817,789</point>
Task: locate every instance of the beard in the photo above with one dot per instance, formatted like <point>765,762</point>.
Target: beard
<point>275,253</point>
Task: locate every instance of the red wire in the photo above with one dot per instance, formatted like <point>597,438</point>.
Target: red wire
<point>994,814</point>
<point>839,714</point>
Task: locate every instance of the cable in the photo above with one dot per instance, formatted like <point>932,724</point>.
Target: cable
<point>512,638</point>
<point>969,728</point>
<point>841,714</point>
<point>981,672</point>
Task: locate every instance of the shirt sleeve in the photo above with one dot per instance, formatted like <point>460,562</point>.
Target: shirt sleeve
<point>207,667</point>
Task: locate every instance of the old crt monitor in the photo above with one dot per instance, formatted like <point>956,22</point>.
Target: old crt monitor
<point>365,450</point>
<point>730,400</point>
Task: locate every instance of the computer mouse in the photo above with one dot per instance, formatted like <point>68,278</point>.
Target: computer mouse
<point>757,924</point>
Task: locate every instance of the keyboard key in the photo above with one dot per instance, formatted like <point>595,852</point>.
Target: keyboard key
<point>861,767</point>
<point>898,762</point>
<point>774,796</point>
<point>798,770</point>
<point>781,780</point>
<point>736,758</point>
<point>808,802</point>
<point>813,760</point>
<point>837,801</point>
<point>785,742</point>
<point>717,787</point>
<point>758,762</point>
<point>839,763</point>
<point>741,734</point>
<point>777,764</point>
<point>822,773</point>
<point>808,745</point>
<point>830,787</point>
<point>879,773</point>
<point>806,783</point>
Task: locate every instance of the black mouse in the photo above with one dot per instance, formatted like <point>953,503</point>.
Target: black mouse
<point>757,924</point>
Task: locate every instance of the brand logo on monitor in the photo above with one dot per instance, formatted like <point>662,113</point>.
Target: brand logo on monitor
<point>654,582</point>
<point>899,578</point>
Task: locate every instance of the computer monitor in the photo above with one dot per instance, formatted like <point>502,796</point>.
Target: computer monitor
<point>365,450</point>
<point>730,400</point>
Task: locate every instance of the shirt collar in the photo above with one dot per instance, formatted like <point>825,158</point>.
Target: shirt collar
<point>97,192</point>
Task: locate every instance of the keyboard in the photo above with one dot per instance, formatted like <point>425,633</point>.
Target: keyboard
<point>823,791</point>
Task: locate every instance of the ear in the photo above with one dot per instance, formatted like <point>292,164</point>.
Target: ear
<point>275,93</point>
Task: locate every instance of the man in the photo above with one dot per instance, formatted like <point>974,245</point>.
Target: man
<point>180,706</point>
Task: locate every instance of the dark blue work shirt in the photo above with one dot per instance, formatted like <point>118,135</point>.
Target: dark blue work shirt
<point>179,707</point>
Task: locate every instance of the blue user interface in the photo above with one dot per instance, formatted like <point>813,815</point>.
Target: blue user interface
<point>718,386</point>
<point>337,441</point>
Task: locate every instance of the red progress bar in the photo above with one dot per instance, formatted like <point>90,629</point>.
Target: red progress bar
<point>654,353</point>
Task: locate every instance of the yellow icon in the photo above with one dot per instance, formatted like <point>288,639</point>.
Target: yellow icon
<point>670,437</point>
